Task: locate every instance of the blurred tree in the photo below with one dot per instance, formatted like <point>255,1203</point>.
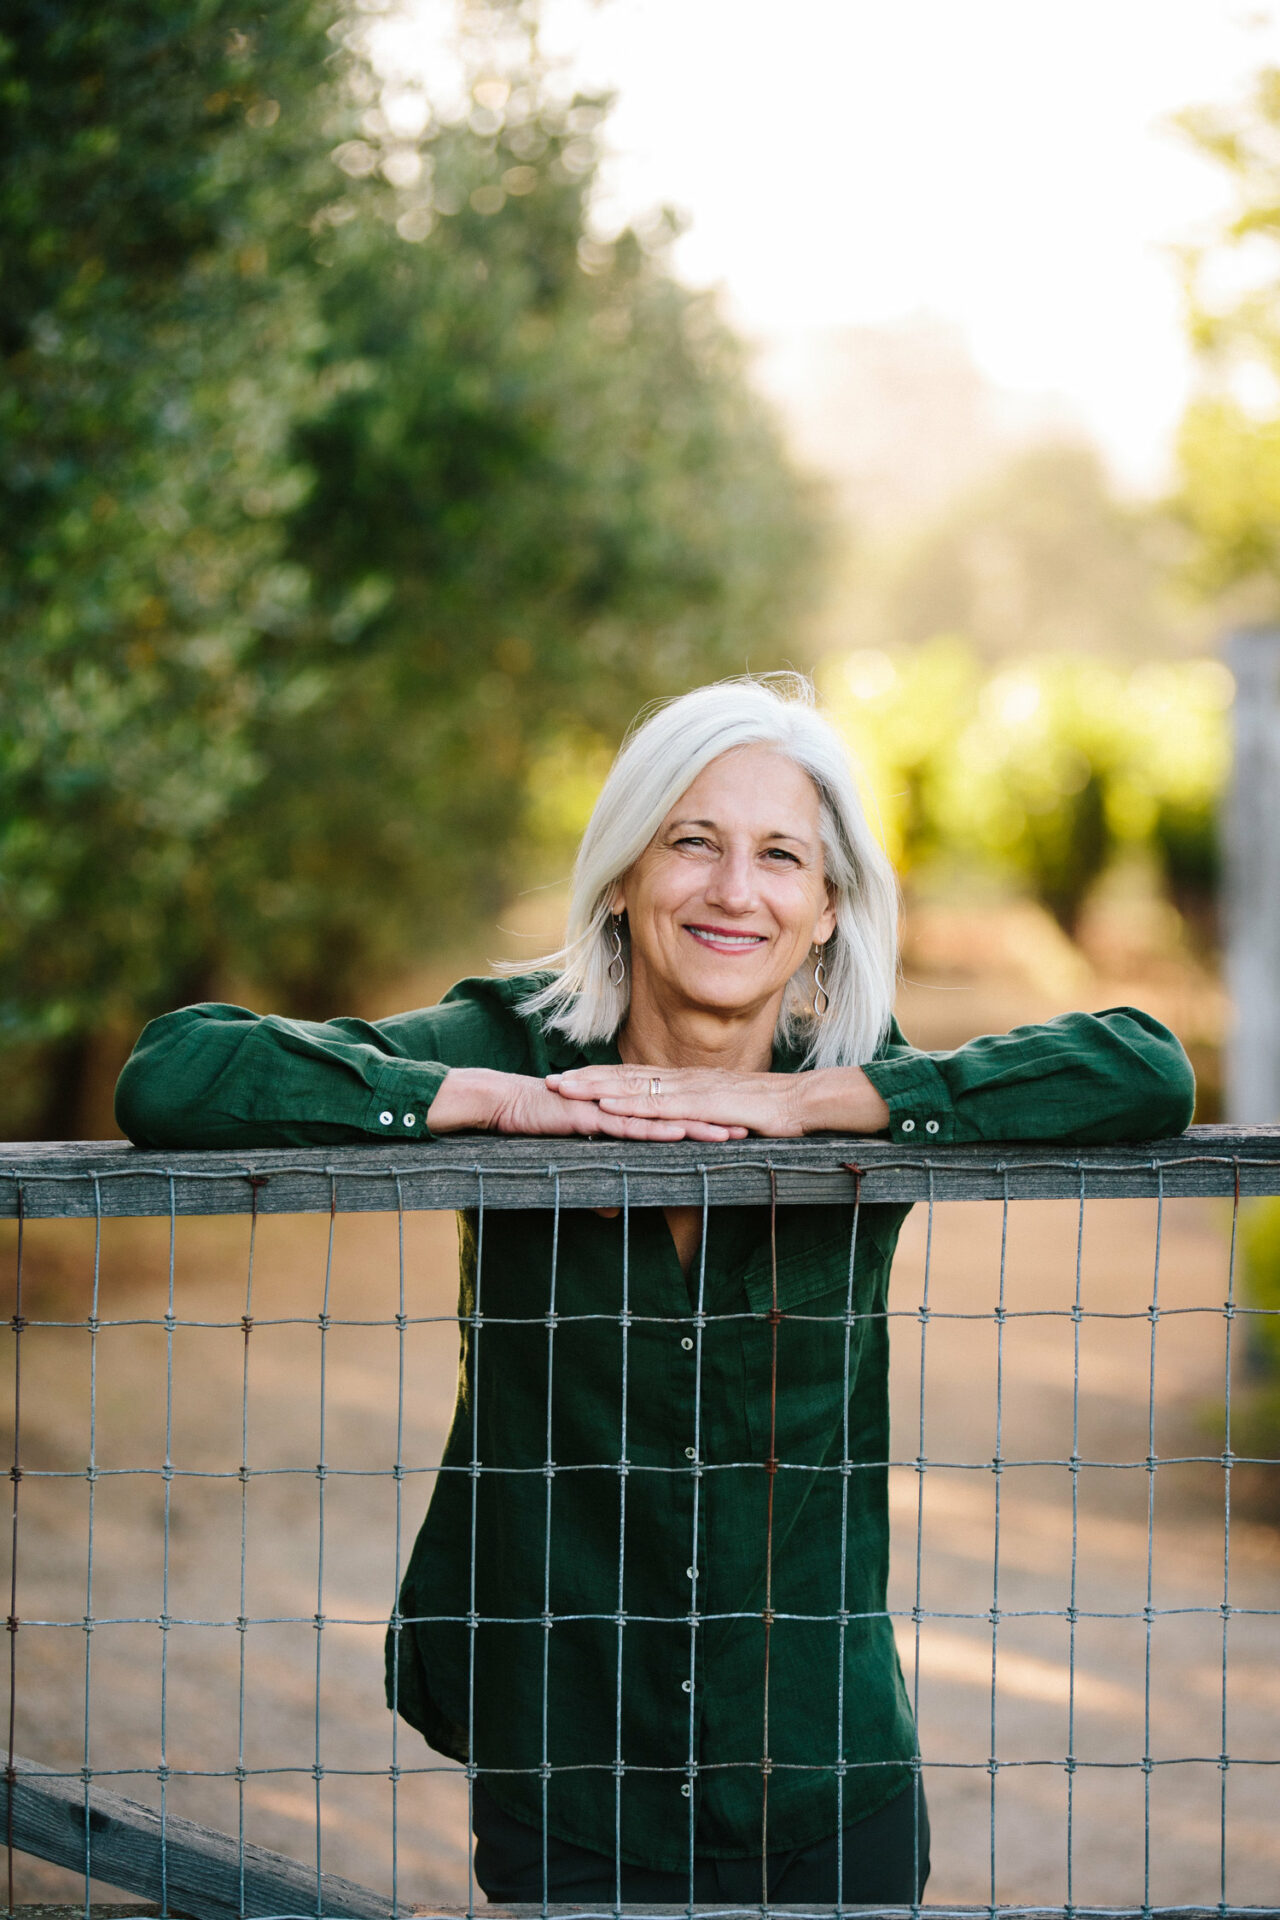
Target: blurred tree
<point>1043,558</point>
<point>1230,438</point>
<point>345,472</point>
<point>154,171</point>
<point>1229,457</point>
<point>541,495</point>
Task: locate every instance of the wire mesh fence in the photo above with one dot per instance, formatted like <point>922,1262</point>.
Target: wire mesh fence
<point>230,1382</point>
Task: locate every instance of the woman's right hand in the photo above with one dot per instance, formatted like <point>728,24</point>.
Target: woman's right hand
<point>478,1099</point>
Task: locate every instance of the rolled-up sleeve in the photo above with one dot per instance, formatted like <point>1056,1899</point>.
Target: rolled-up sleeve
<point>222,1076</point>
<point>1083,1078</point>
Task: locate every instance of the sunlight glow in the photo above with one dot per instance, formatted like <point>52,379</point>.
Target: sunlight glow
<point>1010,169</point>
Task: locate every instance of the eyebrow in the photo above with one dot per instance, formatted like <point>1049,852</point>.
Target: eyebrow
<point>797,839</point>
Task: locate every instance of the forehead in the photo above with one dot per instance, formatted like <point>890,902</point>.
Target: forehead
<point>756,789</point>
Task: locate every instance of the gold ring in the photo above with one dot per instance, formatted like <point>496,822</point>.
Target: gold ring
<point>655,1086</point>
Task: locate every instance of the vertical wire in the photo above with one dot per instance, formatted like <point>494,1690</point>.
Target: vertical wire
<point>399,1544</point>
<point>1076,1316</point>
<point>15,1474</point>
<point>164,1576</point>
<point>695,1561</point>
<point>771,1475</point>
<point>846,1466</point>
<point>623,1470</point>
<point>1154,1316</point>
<point>242,1623</point>
<point>474,1474</point>
<point>997,1467</point>
<point>549,1468</point>
<point>1224,1756</point>
<point>916,1611</point>
<point>91,1476</point>
<point>322,1471</point>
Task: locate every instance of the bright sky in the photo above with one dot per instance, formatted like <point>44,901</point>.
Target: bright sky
<point>1003,164</point>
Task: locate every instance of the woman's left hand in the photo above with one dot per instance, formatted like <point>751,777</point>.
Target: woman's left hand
<point>766,1103</point>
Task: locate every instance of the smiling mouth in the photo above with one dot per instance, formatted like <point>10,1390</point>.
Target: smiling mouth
<point>725,941</point>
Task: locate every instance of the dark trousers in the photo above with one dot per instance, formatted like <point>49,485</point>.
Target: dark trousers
<point>886,1861</point>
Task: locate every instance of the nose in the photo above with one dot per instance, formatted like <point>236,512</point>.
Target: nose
<point>732,883</point>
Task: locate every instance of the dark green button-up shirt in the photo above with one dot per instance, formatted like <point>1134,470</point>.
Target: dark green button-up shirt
<point>605,1612</point>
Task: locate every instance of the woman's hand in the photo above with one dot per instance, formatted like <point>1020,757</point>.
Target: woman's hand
<point>480,1099</point>
<point>781,1106</point>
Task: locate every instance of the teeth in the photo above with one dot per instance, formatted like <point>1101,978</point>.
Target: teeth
<point>726,939</point>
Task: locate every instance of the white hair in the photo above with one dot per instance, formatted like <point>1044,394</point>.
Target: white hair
<point>659,760</point>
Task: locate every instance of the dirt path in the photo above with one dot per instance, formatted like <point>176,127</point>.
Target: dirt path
<point>188,1678</point>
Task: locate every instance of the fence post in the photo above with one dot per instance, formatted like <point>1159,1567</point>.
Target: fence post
<point>1253,880</point>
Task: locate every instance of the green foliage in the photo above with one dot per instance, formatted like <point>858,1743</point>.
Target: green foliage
<point>540,496</point>
<point>1042,772</point>
<point>150,187</point>
<point>1229,446</point>
<point>1256,1413</point>
<point>1260,1246</point>
<point>345,473</point>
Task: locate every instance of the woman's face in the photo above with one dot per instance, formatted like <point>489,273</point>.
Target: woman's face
<point>728,897</point>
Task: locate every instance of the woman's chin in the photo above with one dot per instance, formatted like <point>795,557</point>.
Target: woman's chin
<point>725,990</point>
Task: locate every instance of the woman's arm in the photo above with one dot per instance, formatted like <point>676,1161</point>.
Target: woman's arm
<point>220,1076</point>
<point>1082,1078</point>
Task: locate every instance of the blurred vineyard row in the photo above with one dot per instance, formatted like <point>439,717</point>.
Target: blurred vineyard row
<point>1043,772</point>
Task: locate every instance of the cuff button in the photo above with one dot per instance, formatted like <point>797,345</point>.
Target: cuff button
<point>411,1119</point>
<point>931,1126</point>
<point>386,1117</point>
<point>908,1126</point>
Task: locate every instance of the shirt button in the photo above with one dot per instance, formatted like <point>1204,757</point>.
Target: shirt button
<point>691,1453</point>
<point>411,1119</point>
<point>931,1126</point>
<point>687,1344</point>
<point>908,1126</point>
<point>691,1573</point>
<point>386,1116</point>
<point>686,1686</point>
<point>686,1789</point>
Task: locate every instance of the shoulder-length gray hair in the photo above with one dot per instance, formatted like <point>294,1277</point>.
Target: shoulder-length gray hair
<point>659,760</point>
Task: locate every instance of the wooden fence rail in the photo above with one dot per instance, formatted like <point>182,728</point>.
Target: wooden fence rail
<point>79,1179</point>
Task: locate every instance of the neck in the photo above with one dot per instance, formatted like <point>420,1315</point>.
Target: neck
<point>684,1036</point>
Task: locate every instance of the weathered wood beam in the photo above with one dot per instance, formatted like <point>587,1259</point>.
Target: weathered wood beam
<point>77,1179</point>
<point>195,1870</point>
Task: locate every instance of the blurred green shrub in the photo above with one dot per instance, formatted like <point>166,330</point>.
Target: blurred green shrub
<point>1256,1405</point>
<point>1260,1245</point>
<point>1042,772</point>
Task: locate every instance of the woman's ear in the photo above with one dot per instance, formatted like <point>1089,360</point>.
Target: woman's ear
<point>618,904</point>
<point>825,925</point>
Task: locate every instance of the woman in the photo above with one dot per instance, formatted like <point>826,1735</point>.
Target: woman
<point>668,1665</point>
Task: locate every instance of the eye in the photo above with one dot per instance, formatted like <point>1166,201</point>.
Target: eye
<point>691,840</point>
<point>782,855</point>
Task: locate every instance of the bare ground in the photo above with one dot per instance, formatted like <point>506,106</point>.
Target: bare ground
<point>315,1694</point>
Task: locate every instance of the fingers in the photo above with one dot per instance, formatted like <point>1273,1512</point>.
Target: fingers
<point>617,1126</point>
<point>589,1083</point>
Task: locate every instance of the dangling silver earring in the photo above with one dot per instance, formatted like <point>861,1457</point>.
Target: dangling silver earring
<point>821,998</point>
<point>615,958</point>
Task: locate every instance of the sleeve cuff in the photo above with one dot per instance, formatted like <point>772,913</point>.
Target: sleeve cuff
<point>401,1099</point>
<point>920,1111</point>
